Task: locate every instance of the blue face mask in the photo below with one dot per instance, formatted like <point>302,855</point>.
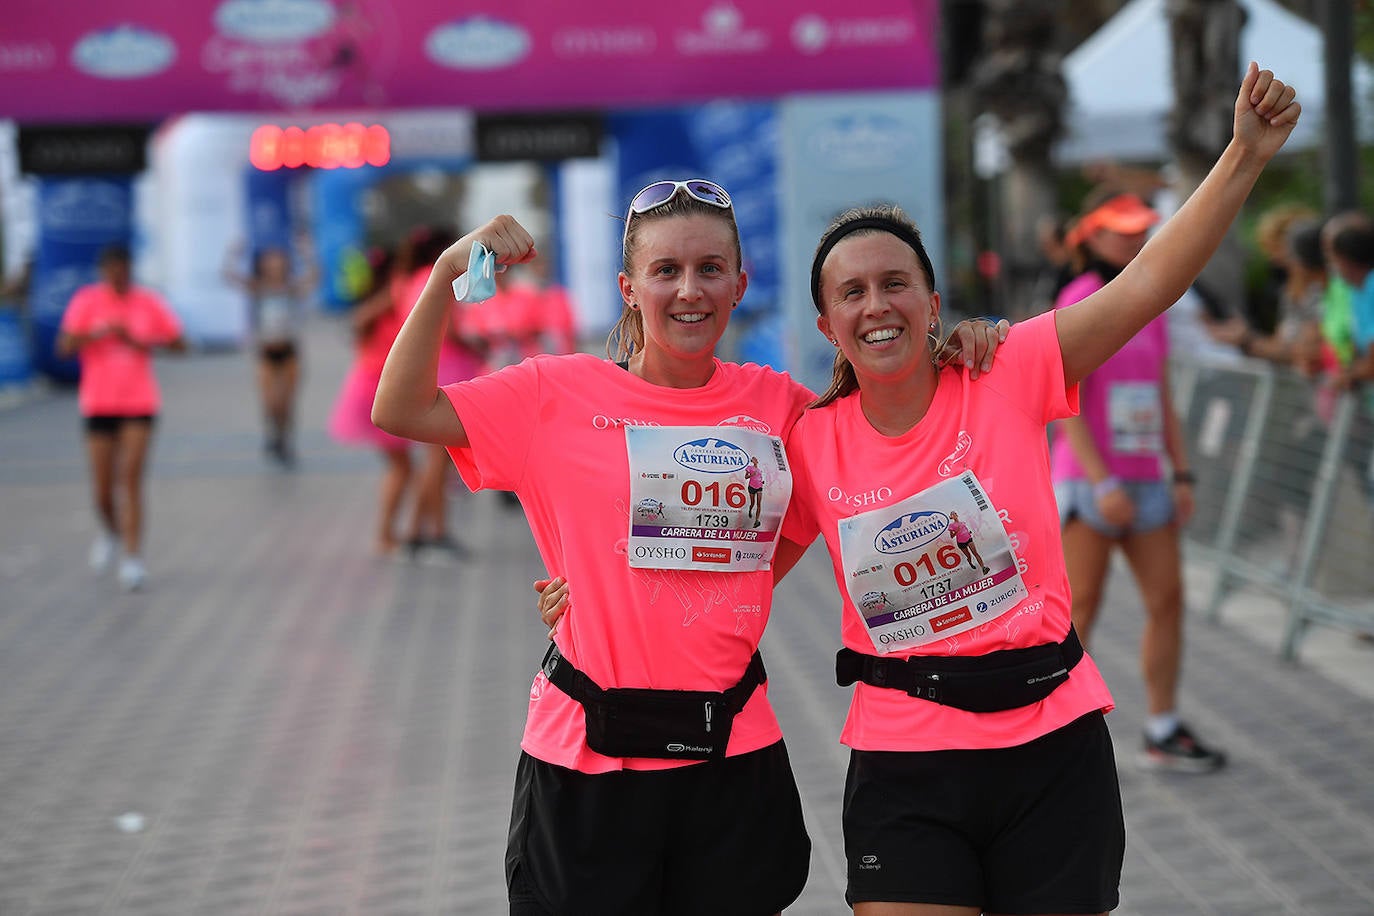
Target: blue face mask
<point>479,283</point>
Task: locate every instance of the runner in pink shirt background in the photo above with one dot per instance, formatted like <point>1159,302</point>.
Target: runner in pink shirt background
<point>113,327</point>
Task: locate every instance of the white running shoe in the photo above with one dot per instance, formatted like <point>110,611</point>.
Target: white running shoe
<point>132,573</point>
<point>103,551</point>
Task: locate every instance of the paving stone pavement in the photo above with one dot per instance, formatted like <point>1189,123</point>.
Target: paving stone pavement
<point>306,729</point>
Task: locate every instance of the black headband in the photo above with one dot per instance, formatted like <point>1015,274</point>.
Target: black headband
<point>890,226</point>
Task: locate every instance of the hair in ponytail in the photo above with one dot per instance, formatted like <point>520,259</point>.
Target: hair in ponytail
<point>842,381</point>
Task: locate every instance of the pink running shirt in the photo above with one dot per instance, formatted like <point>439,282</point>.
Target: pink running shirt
<point>994,426</point>
<point>1142,360</point>
<point>961,533</point>
<point>117,378</point>
<point>552,428</point>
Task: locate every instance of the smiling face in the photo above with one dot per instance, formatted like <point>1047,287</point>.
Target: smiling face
<point>685,279</point>
<point>877,305</point>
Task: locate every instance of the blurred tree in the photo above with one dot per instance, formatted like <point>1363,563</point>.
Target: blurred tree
<point>1019,78</point>
<point>1205,35</point>
<point>1005,58</point>
<point>1341,159</point>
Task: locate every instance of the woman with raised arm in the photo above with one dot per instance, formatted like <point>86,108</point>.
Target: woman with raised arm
<point>981,776</point>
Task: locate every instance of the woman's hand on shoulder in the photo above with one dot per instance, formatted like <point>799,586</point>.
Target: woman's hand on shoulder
<point>974,341</point>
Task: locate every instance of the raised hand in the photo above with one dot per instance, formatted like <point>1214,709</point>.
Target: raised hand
<point>1267,110</point>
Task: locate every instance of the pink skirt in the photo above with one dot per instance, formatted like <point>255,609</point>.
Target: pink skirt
<point>350,422</point>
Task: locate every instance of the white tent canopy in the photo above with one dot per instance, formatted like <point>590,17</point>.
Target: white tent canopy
<point>1121,84</point>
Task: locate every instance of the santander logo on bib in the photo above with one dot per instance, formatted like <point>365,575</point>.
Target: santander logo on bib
<point>911,530</point>
<point>712,455</point>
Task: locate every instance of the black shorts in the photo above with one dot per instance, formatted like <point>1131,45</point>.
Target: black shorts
<point>723,837</point>
<point>1035,828</point>
<point>109,424</point>
<point>277,353</point>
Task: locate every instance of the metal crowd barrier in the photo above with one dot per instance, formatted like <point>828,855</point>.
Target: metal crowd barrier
<point>1285,494</point>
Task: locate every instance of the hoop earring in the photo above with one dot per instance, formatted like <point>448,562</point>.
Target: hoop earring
<point>934,337</point>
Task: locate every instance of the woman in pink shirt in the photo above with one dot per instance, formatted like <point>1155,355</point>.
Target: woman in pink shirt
<point>113,327</point>
<point>981,774</point>
<point>653,777</point>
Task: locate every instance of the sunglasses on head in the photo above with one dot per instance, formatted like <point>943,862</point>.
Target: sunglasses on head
<point>660,192</point>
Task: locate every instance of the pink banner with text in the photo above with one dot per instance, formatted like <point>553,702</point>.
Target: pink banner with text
<point>93,60</point>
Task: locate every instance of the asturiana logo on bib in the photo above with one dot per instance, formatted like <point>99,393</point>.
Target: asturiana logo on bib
<point>909,531</point>
<point>712,455</point>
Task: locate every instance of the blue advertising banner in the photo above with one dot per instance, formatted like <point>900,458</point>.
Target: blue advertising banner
<point>339,230</point>
<point>77,218</point>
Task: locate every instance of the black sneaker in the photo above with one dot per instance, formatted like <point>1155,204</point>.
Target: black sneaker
<point>1180,751</point>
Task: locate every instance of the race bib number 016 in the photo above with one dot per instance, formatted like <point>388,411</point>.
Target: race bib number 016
<point>705,497</point>
<point>931,566</point>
